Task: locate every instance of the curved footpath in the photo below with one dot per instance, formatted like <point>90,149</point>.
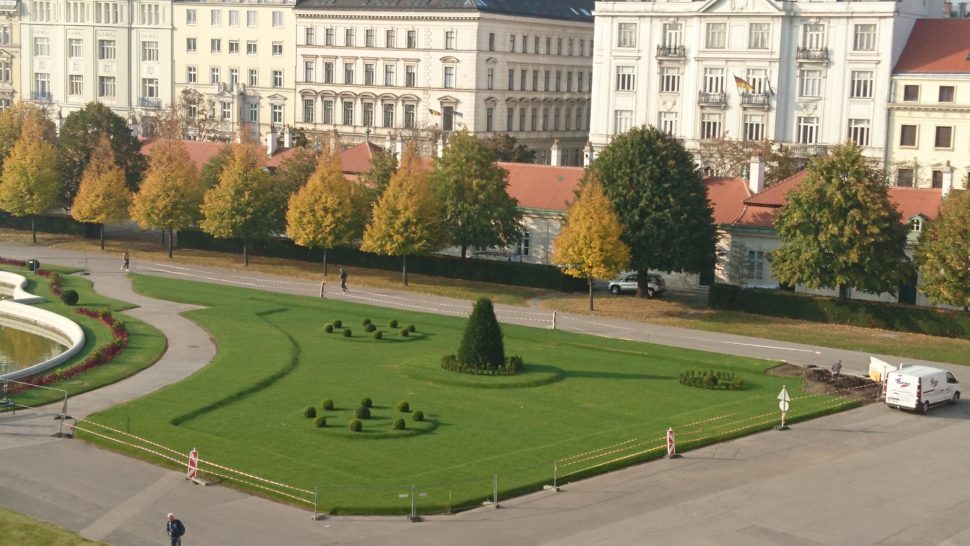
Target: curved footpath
<point>824,482</point>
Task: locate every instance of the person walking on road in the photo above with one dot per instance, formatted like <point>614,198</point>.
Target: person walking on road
<point>343,279</point>
<point>125,256</point>
<point>175,529</point>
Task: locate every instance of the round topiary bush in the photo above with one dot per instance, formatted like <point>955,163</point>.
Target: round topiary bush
<point>399,424</point>
<point>378,335</point>
<point>328,328</point>
<point>348,333</point>
<point>362,412</point>
<point>393,323</point>
<point>355,425</point>
<point>310,412</point>
<point>69,297</point>
<point>369,328</point>
<point>365,322</point>
<point>403,406</point>
<point>404,332</point>
<point>338,324</point>
<point>366,402</point>
<point>320,422</point>
<point>327,405</point>
<point>411,328</point>
<point>418,415</point>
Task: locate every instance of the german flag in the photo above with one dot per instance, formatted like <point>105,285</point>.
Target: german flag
<point>743,85</point>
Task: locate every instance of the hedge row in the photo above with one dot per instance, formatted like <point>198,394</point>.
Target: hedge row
<point>867,314</point>
<point>51,224</point>
<point>493,271</point>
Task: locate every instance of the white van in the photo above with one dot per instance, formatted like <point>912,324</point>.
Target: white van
<point>919,387</point>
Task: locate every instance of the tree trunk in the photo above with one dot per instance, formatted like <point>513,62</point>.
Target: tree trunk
<point>171,242</point>
<point>642,281</point>
<point>246,251</point>
<point>843,292</point>
<point>102,235</point>
<point>404,261</point>
<point>590,281</point>
<point>33,228</point>
<point>463,249</point>
<point>324,262</point>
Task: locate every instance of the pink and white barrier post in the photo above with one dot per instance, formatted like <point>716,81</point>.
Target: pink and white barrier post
<point>671,444</point>
<point>193,470</point>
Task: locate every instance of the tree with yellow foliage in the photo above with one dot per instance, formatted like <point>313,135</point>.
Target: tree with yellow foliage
<point>102,196</point>
<point>589,245</point>
<point>407,218</point>
<point>31,183</point>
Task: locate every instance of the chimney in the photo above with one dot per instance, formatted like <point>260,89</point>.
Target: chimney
<point>555,158</point>
<point>947,9</point>
<point>270,143</point>
<point>588,154</point>
<point>287,138</point>
<point>962,9</point>
<point>947,180</point>
<point>756,175</point>
<point>441,146</point>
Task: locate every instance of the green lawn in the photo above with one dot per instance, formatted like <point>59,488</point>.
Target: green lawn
<point>23,531</point>
<point>586,403</point>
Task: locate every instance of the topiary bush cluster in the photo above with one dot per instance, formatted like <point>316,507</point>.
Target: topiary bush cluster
<point>512,365</point>
<point>713,379</point>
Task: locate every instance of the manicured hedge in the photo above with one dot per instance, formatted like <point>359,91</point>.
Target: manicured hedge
<point>51,224</point>
<point>867,314</point>
<point>495,271</point>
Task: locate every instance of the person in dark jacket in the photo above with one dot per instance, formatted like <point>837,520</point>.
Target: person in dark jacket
<point>343,279</point>
<point>175,529</point>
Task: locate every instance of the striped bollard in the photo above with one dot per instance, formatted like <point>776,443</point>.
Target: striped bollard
<point>193,470</point>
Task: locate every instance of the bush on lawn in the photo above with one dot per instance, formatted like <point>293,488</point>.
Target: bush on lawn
<point>378,335</point>
<point>320,422</point>
<point>327,405</point>
<point>355,425</point>
<point>328,328</point>
<point>481,345</point>
<point>399,424</point>
<point>69,297</point>
<point>338,323</point>
<point>411,328</point>
<point>418,415</point>
<point>404,332</point>
<point>711,379</point>
<point>366,402</point>
<point>362,412</point>
<point>348,333</point>
<point>369,328</point>
<point>365,322</point>
<point>393,323</point>
<point>310,412</point>
<point>403,406</point>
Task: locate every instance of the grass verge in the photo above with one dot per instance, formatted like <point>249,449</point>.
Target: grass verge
<point>21,530</point>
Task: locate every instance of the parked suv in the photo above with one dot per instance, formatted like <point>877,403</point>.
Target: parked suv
<point>628,283</point>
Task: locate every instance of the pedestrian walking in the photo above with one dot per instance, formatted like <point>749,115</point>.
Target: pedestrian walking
<point>125,257</point>
<point>343,279</point>
<point>175,529</point>
<point>323,287</point>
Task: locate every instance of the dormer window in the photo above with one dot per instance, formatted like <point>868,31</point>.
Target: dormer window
<point>916,224</point>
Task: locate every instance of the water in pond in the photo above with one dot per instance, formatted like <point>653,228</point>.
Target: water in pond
<point>20,349</point>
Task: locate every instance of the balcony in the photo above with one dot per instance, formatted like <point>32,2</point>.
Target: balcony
<point>805,54</point>
<point>808,150</point>
<point>150,102</point>
<point>705,98</point>
<point>41,95</point>
<point>671,52</point>
<point>755,100</point>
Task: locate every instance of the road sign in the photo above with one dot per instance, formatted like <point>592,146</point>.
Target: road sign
<point>783,400</point>
<point>783,395</point>
<point>783,405</point>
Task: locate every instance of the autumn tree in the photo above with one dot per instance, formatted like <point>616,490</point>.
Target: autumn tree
<point>505,147</point>
<point>661,202</point>
<point>171,194</point>
<point>102,196</point>
<point>840,229</point>
<point>241,205</point>
<point>943,253</point>
<point>383,167</point>
<point>473,193</point>
<point>321,214</point>
<point>406,219</point>
<point>210,172</point>
<point>589,246</point>
<point>80,134</point>
<point>31,183</point>
<point>12,121</point>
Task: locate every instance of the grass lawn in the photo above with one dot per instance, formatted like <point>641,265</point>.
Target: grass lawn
<point>23,531</point>
<point>145,343</point>
<point>588,403</point>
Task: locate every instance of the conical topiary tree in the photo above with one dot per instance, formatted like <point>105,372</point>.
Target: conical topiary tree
<point>482,346</point>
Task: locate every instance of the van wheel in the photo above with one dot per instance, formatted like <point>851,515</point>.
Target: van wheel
<point>924,408</point>
<point>956,398</point>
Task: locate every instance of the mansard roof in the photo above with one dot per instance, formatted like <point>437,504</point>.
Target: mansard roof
<point>572,10</point>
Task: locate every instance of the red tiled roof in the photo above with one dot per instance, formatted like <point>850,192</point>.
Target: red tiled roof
<point>913,201</point>
<point>936,46</point>
<point>543,187</point>
<point>278,157</point>
<point>200,152</point>
<point>727,195</point>
<point>357,160</point>
<point>775,195</point>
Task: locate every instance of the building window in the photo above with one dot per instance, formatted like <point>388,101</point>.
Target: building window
<point>389,39</point>
<point>448,81</point>
<point>534,119</point>
<point>76,84</point>
<point>191,74</point>
<point>904,178</point>
<point>215,45</point>
<point>233,18</point>
<point>579,82</point>
<point>943,137</point>
<point>369,38</point>
<point>558,46</point>
<point>758,35</point>
<point>368,114</point>
<point>491,41</point>
<point>42,85</point>
<point>525,44</point>
<point>813,37</point>
<point>754,127</point>
<point>348,112</point>
<point>807,129</point>
<point>410,75</point>
<point>412,39</point>
<point>556,113</point>
<point>511,79</point>
<point>910,93</point>
<point>522,245</point>
<point>277,19</point>
<point>213,74</point>
<point>277,78</point>
<point>859,131</point>
<point>489,119</point>
<point>946,93</point>
<point>907,136</point>
<point>509,119</point>
<point>149,88</point>
<point>756,78</point>
<point>490,78</point>
<point>545,119</point>
<point>713,80</point>
<point>861,84</point>
<point>74,48</point>
<point>523,77</point>
<point>348,73</point>
<point>545,81</point>
<point>328,72</point>
<point>276,112</point>
<point>669,79</point>
<point>625,78</point>
<point>106,86</point>
<point>308,71</point>
<point>349,37</point>
<point>226,113</point>
<point>622,121</point>
<point>522,114</point>
<point>711,123</point>
<point>568,122</point>
<point>716,36</point>
<point>253,77</point>
<point>388,115</point>
<point>328,36</point>
<point>409,116</point>
<point>512,43</point>
<point>390,75</point>
<point>448,118</point>
<point>626,36</point>
<point>233,76</point>
<point>251,19</point>
<point>250,47</point>
<point>558,80</point>
<point>936,179</point>
<point>328,111</point>
<point>809,83</point>
<point>369,73</point>
<point>865,38</point>
<point>234,47</point>
<point>106,50</point>
<point>449,39</point>
<point>190,17</point>
<point>190,45</point>
<point>535,80</point>
<point>754,265</point>
<point>215,17</point>
<point>667,122</point>
<point>149,51</point>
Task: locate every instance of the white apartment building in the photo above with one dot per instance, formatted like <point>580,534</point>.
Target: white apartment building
<point>116,52</point>
<point>929,109</point>
<point>234,66</point>
<point>9,52</point>
<point>808,74</point>
<point>418,70</point>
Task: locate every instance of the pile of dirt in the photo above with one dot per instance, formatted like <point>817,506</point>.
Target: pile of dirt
<point>821,381</point>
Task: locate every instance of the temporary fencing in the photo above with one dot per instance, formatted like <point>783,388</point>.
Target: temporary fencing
<point>9,404</point>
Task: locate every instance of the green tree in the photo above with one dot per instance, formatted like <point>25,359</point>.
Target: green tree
<point>31,183</point>
<point>506,148</point>
<point>80,134</point>
<point>589,246</point>
<point>943,253</point>
<point>12,122</point>
<point>473,192</point>
<point>321,214</point>
<point>211,171</point>
<point>170,196</point>
<point>839,229</point>
<point>482,346</point>
<point>661,202</point>
<point>383,167</point>
<point>102,196</point>
<point>242,204</point>
<point>406,219</point>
